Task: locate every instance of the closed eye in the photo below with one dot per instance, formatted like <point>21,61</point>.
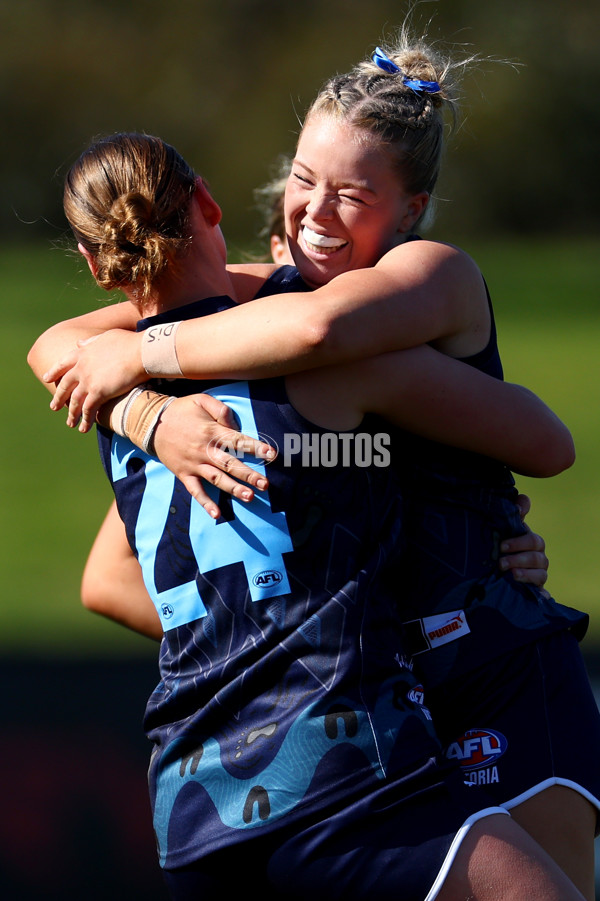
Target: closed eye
<point>352,198</point>
<point>301,178</point>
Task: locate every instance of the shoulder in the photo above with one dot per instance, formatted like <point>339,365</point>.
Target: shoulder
<point>431,257</point>
<point>248,278</point>
<point>450,288</point>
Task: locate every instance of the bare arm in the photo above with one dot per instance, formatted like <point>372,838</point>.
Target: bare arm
<point>421,390</point>
<point>214,431</point>
<point>112,583</point>
<point>453,403</point>
<point>418,293</point>
<point>442,399</point>
<point>61,338</point>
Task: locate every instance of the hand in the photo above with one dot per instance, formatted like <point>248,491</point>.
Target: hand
<point>192,438</point>
<point>525,555</point>
<point>98,369</point>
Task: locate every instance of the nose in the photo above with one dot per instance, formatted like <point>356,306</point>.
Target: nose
<point>320,204</point>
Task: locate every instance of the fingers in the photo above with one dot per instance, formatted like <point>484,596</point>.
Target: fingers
<point>216,409</point>
<point>88,419</point>
<point>537,577</point>
<point>527,566</point>
<point>56,372</point>
<point>221,481</point>
<point>524,505</point>
<point>89,410</point>
<point>227,453</point>
<point>239,446</point>
<point>528,542</point>
<point>80,411</point>
<point>81,407</point>
<point>195,488</point>
<point>225,468</point>
<point>62,394</point>
<point>232,439</point>
<point>193,442</point>
<point>525,558</point>
<point>74,412</point>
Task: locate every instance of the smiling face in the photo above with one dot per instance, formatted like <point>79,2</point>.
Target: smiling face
<point>345,206</point>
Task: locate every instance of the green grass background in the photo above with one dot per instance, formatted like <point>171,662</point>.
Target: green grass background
<point>54,493</point>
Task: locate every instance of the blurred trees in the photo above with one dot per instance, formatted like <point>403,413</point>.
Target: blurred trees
<point>227,83</point>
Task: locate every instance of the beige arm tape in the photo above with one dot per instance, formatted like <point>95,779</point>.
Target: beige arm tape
<point>159,354</point>
<point>136,415</point>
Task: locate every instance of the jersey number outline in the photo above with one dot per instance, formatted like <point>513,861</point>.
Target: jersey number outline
<point>256,537</point>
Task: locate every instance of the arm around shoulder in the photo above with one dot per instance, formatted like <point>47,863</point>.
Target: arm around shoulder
<point>62,337</point>
<point>548,442</point>
<point>417,293</point>
<point>450,402</point>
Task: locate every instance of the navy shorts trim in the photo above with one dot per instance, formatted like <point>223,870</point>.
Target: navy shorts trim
<point>458,840</point>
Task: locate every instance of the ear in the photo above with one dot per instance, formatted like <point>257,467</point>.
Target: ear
<point>209,207</point>
<point>89,259</point>
<point>279,251</point>
<point>415,208</point>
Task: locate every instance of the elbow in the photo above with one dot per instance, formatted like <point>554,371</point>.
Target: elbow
<point>321,341</point>
<point>317,329</point>
<point>88,600</point>
<point>39,357</point>
<point>91,597</point>
<point>33,360</point>
<point>554,456</point>
<point>564,456</point>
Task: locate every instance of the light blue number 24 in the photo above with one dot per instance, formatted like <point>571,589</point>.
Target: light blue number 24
<point>257,537</point>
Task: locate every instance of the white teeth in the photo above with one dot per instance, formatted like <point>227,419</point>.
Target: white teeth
<point>316,240</point>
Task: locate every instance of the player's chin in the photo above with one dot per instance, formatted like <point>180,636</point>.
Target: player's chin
<point>318,272</point>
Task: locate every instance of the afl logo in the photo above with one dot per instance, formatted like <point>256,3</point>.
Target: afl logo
<point>167,611</point>
<point>267,577</point>
<point>417,695</point>
<point>477,747</point>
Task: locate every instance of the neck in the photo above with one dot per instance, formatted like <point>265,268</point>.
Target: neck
<point>192,287</point>
<point>201,274</point>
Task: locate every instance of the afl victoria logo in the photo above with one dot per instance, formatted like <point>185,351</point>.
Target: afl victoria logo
<point>477,748</point>
<point>267,577</point>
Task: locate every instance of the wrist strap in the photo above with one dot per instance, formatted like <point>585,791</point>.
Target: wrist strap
<point>117,420</point>
<point>136,416</point>
<point>159,354</point>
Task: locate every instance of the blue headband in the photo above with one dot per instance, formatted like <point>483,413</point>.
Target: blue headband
<point>417,84</point>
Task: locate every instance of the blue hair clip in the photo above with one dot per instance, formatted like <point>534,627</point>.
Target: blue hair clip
<point>383,61</point>
<point>416,84</point>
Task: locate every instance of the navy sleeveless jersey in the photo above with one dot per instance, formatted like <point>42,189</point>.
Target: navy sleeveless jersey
<point>460,610</point>
<point>285,690</point>
<point>284,280</point>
